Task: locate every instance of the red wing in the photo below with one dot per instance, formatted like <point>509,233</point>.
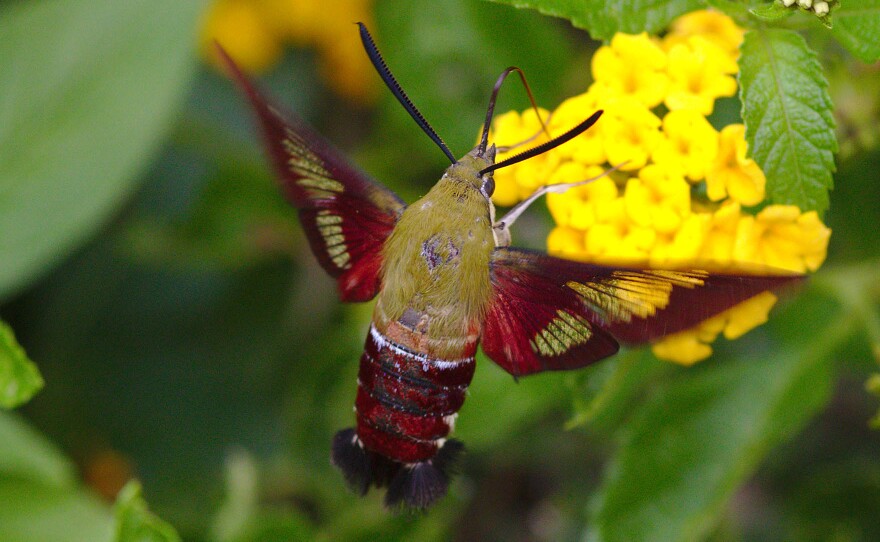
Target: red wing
<point>346,216</point>
<point>552,314</point>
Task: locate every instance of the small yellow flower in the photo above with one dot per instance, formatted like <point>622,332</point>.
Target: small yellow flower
<point>699,72</point>
<point>566,242</point>
<point>684,348</point>
<point>587,148</point>
<point>682,249</point>
<point>659,199</point>
<point>690,145</point>
<point>732,173</point>
<point>630,132</point>
<point>781,237</point>
<point>712,25</point>
<point>633,66</point>
<point>721,237</point>
<point>511,129</point>
<point>692,345</point>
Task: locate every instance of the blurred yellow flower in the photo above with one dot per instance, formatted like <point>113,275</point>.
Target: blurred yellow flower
<point>239,27</point>
<point>254,33</point>
<point>712,25</point>
<point>678,200</point>
<point>732,173</point>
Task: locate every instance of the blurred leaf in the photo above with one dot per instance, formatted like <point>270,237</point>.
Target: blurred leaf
<point>86,90</point>
<point>787,113</point>
<point>447,58</point>
<point>26,454</point>
<point>498,405</point>
<point>19,377</point>
<point>135,523</point>
<point>603,19</point>
<point>857,27</point>
<point>32,512</point>
<point>605,391</point>
<point>696,440</point>
<point>241,498</point>
<point>772,12</point>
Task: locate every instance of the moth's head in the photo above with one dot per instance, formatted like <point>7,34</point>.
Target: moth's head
<point>469,170</point>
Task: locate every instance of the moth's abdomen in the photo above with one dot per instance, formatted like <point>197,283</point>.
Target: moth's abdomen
<point>406,403</point>
<point>407,400</point>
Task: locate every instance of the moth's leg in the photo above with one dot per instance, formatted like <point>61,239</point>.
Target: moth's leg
<point>501,228</point>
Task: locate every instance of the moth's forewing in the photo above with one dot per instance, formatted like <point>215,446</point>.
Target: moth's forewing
<point>346,216</point>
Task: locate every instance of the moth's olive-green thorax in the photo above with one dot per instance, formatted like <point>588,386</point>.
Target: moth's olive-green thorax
<point>435,272</point>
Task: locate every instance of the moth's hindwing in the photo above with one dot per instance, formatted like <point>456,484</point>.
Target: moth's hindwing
<point>548,313</point>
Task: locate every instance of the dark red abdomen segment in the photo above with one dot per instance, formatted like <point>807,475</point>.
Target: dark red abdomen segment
<point>407,400</point>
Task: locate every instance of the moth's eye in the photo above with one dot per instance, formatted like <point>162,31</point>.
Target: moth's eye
<point>488,187</point>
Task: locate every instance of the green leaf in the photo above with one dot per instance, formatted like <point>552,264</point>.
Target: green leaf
<point>32,512</point>
<point>602,19</point>
<point>19,377</point>
<point>772,12</point>
<point>135,523</point>
<point>86,91</point>
<point>857,27</point>
<point>787,113</point>
<point>696,440</point>
<point>26,454</point>
<point>604,392</point>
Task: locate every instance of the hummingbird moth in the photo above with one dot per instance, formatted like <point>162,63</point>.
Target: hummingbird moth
<point>446,280</point>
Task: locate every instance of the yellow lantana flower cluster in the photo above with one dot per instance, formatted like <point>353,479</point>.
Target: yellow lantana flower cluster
<point>677,199</point>
<point>254,33</point>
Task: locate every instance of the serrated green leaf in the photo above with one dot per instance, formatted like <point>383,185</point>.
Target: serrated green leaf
<point>27,455</point>
<point>699,437</point>
<point>86,90</point>
<point>19,377</point>
<point>135,523</point>
<point>787,113</point>
<point>857,27</point>
<point>603,19</point>
<point>32,512</point>
<point>771,12</point>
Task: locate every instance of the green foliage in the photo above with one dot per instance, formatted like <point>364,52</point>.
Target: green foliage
<point>857,27</point>
<point>87,90</point>
<point>135,523</point>
<point>703,433</point>
<point>603,19</point>
<point>787,112</point>
<point>19,377</point>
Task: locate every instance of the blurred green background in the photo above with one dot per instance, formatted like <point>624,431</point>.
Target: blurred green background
<point>188,338</point>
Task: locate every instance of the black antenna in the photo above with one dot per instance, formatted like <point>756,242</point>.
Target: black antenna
<point>484,140</point>
<point>544,147</point>
<point>388,77</point>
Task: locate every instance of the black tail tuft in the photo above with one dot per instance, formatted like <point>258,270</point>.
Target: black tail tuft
<point>361,467</point>
<point>421,484</point>
<point>353,460</point>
